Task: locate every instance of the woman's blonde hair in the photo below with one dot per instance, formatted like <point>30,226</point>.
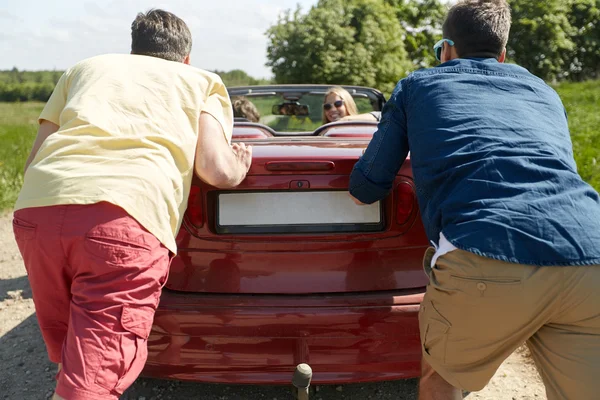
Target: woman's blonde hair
<point>346,97</point>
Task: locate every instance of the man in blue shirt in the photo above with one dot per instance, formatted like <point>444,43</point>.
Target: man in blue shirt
<point>516,230</point>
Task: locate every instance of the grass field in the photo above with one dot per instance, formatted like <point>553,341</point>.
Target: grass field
<point>581,101</point>
<point>18,128</point>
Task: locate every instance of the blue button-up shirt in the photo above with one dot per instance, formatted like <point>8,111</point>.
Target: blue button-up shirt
<point>492,162</point>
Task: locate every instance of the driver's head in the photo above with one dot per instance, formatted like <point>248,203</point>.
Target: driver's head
<point>159,33</point>
<point>478,28</point>
<point>337,103</point>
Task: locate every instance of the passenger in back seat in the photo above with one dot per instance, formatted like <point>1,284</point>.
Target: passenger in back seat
<point>244,108</point>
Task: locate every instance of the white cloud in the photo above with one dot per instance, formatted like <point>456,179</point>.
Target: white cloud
<point>5,15</point>
<point>227,34</point>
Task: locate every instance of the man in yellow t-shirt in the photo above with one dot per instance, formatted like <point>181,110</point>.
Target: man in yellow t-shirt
<point>106,185</point>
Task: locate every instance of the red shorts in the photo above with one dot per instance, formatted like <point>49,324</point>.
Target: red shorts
<point>96,276</point>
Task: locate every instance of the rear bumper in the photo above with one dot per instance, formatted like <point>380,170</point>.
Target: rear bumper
<point>260,339</point>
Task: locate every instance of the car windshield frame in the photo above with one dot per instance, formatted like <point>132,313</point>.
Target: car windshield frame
<point>368,99</point>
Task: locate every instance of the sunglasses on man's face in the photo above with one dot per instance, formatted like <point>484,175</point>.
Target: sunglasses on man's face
<point>437,48</point>
<point>337,104</point>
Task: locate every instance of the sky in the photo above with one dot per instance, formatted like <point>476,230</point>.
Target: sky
<point>226,34</point>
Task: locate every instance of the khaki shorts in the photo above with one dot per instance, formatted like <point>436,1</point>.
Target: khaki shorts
<point>477,311</point>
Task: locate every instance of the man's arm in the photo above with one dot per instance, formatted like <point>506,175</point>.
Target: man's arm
<point>49,119</point>
<point>374,173</point>
<point>217,163</point>
<point>46,129</point>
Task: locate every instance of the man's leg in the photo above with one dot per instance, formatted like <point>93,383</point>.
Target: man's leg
<point>120,270</point>
<point>57,397</point>
<point>37,232</point>
<point>475,313</point>
<point>433,387</point>
<point>567,350</point>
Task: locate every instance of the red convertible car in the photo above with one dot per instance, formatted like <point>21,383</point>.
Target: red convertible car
<point>286,269</point>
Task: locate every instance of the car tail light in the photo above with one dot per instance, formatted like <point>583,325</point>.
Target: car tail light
<point>405,202</point>
<point>195,211</point>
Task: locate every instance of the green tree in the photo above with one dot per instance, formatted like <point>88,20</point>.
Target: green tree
<point>56,76</point>
<point>584,17</point>
<point>355,42</point>
<point>237,77</point>
<point>541,37</point>
<point>15,76</point>
<point>422,21</point>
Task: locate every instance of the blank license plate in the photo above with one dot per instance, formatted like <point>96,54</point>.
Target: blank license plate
<point>292,212</point>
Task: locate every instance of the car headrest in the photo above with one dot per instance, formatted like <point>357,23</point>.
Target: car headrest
<point>250,132</point>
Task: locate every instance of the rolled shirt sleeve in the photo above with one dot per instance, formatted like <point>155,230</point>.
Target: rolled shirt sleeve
<point>218,104</point>
<point>56,103</point>
<point>374,173</point>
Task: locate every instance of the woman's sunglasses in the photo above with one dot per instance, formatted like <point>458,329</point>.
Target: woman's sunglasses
<point>337,104</point>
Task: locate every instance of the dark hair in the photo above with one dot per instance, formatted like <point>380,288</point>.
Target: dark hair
<point>243,108</point>
<point>479,28</point>
<point>161,34</point>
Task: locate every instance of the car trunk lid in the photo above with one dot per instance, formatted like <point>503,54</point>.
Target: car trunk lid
<point>291,228</point>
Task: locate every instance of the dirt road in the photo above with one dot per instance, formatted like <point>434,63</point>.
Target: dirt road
<point>26,373</point>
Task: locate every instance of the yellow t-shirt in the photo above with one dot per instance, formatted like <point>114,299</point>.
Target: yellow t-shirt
<point>128,133</point>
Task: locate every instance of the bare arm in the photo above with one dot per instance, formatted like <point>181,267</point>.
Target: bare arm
<point>360,117</point>
<point>217,163</point>
<point>46,129</point>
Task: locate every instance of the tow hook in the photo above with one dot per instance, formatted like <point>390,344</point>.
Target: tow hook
<point>301,381</point>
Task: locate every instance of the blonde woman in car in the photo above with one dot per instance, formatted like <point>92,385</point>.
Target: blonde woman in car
<point>338,105</point>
